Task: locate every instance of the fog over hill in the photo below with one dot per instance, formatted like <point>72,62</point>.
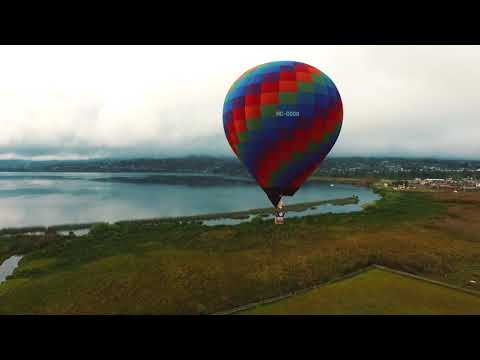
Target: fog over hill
<point>334,166</point>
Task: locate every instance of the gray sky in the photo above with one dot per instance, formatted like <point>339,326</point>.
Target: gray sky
<point>69,102</point>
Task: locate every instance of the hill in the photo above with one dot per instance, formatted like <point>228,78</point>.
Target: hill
<point>357,167</point>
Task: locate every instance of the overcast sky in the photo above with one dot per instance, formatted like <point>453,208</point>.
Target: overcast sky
<point>60,102</point>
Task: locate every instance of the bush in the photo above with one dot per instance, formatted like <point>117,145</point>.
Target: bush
<point>258,219</point>
<point>104,230</point>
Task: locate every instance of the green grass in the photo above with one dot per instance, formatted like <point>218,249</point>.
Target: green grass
<point>375,292</point>
<point>149,267</point>
<point>23,244</point>
<point>242,214</point>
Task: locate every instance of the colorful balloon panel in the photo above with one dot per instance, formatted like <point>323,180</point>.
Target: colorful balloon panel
<point>281,119</point>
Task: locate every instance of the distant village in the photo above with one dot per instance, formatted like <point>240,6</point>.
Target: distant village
<point>448,184</point>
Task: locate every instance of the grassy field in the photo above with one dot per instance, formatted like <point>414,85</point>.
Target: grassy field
<point>172,268</point>
<point>375,292</point>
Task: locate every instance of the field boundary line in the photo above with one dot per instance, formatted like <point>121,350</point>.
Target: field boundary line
<point>340,278</point>
<point>292,293</point>
<point>434,282</point>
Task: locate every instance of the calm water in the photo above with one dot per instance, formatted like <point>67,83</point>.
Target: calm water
<point>29,199</point>
<point>76,232</point>
<point>8,266</point>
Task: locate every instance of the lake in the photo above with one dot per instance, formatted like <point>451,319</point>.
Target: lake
<point>8,267</point>
<point>51,198</point>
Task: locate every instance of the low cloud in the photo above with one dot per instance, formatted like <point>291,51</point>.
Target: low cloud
<point>81,102</point>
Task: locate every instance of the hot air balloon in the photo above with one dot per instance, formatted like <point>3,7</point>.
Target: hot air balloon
<point>281,120</point>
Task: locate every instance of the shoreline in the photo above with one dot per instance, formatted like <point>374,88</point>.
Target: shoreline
<point>363,182</point>
<point>244,214</point>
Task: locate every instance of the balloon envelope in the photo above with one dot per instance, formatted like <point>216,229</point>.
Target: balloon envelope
<point>281,119</point>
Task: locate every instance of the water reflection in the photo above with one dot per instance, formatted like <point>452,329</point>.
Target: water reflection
<point>45,199</point>
<point>77,232</point>
<point>8,267</point>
